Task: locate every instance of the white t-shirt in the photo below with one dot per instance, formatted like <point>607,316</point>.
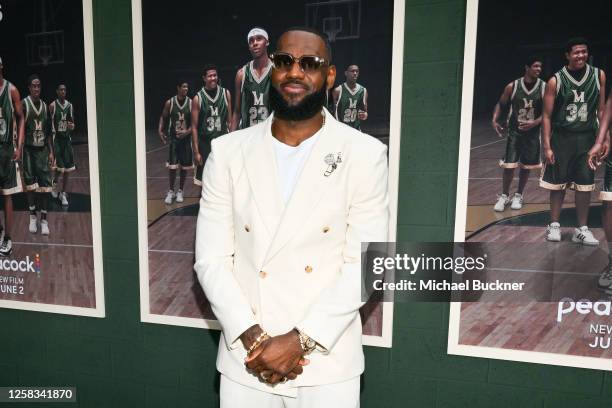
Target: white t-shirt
<point>290,161</point>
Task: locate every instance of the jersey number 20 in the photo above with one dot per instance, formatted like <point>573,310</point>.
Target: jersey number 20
<point>349,115</point>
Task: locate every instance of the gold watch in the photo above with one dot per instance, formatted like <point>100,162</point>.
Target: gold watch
<point>308,344</point>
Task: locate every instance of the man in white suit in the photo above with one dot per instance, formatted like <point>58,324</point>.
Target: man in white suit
<point>285,206</point>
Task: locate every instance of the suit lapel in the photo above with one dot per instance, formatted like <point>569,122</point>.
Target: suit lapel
<point>309,190</point>
<point>260,163</point>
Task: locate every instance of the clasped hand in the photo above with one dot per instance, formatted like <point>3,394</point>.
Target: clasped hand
<point>278,359</point>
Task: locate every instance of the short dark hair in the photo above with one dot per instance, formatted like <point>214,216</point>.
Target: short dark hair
<point>60,84</point>
<point>532,59</point>
<point>210,67</point>
<point>314,31</point>
<point>32,78</point>
<point>181,81</point>
<point>575,41</point>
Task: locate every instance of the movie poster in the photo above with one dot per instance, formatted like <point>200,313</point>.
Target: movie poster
<point>535,83</point>
<point>188,55</point>
<point>50,234</point>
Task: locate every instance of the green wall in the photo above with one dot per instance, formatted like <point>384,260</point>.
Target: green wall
<point>119,362</point>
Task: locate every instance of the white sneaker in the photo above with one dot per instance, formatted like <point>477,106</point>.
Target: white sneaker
<point>63,198</point>
<point>179,196</point>
<point>605,279</point>
<point>169,197</point>
<point>33,224</point>
<point>44,227</point>
<point>502,202</point>
<point>584,236</point>
<point>517,201</point>
<point>553,232</point>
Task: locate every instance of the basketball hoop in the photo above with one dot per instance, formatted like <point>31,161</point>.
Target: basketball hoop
<point>45,48</point>
<point>339,19</point>
<point>45,53</point>
<point>332,26</point>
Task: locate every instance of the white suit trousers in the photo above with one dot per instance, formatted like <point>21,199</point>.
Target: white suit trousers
<point>339,395</point>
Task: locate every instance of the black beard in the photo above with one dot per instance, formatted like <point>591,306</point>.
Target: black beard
<point>306,109</point>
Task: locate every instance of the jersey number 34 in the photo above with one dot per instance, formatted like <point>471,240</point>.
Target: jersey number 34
<point>574,112</point>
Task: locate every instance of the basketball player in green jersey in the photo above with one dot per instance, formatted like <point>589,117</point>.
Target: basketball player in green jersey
<point>175,127</point>
<point>210,117</point>
<point>573,108</point>
<point>599,154</point>
<point>62,122</point>
<point>351,99</point>
<point>524,98</point>
<point>37,155</point>
<point>252,83</point>
<point>10,180</point>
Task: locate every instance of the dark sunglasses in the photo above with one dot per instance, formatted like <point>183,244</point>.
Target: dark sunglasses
<point>308,63</point>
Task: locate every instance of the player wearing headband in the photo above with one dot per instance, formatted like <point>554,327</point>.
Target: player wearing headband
<point>252,83</point>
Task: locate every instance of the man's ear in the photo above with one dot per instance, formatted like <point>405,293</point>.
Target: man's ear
<point>331,76</point>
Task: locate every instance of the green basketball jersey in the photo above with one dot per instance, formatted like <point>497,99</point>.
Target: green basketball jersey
<point>576,102</point>
<point>61,116</point>
<point>180,116</point>
<point>254,94</point>
<point>213,115</point>
<point>350,102</point>
<point>525,104</point>
<point>6,113</point>
<point>36,122</point>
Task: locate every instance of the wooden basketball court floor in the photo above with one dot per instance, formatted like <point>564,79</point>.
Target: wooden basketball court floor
<point>66,274</point>
<point>525,325</point>
<point>174,289</point>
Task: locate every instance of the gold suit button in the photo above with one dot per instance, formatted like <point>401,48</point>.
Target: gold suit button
<point>308,269</point>
<point>247,228</point>
<point>325,230</point>
<point>262,274</point>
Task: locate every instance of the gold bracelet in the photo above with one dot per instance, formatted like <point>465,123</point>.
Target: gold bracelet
<point>260,339</point>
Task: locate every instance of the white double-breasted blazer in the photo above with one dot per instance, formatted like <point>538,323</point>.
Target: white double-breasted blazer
<point>294,265</point>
